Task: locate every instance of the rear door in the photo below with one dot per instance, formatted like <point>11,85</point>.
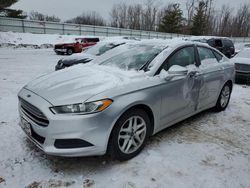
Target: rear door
<point>211,76</point>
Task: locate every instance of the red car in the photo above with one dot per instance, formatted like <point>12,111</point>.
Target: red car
<point>77,47</point>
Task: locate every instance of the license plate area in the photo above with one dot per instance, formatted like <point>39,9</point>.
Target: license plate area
<point>26,126</point>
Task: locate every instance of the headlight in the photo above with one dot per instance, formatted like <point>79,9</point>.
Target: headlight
<point>82,108</point>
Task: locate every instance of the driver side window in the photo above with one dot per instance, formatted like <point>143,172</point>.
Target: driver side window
<point>182,57</point>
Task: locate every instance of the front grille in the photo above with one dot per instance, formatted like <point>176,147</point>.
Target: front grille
<point>33,113</point>
<point>242,67</point>
<point>37,137</point>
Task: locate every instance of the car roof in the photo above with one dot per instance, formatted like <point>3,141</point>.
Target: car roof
<point>115,41</point>
<point>206,37</point>
<point>175,42</point>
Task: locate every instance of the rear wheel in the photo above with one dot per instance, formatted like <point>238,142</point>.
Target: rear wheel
<point>69,51</point>
<point>224,97</point>
<point>129,135</point>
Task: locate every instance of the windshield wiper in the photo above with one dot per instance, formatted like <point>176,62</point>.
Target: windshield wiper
<point>145,65</point>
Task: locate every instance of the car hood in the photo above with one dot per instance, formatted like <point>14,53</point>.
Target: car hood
<point>80,82</point>
<point>241,60</point>
<point>77,58</point>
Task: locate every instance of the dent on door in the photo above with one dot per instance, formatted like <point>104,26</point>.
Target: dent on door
<point>179,98</point>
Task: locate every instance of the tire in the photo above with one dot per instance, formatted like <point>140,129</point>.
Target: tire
<point>224,98</point>
<point>69,51</point>
<point>127,141</point>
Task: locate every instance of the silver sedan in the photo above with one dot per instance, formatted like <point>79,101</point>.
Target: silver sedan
<point>115,103</point>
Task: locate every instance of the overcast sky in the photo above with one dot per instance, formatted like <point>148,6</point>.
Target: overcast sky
<point>66,9</point>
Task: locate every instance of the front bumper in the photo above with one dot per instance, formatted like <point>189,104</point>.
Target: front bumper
<point>60,50</point>
<point>93,129</point>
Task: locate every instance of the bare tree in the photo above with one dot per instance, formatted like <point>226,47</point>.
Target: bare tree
<point>190,6</point>
<point>90,18</point>
<point>118,15</point>
<point>241,23</point>
<point>225,20</point>
<point>43,17</point>
<point>114,16</point>
<point>122,19</point>
<point>134,16</point>
<point>149,15</point>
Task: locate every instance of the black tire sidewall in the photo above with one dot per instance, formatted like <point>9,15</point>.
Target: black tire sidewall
<point>69,51</point>
<point>114,149</point>
<point>218,106</point>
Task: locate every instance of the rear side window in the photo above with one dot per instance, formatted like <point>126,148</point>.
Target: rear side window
<point>206,55</point>
<point>182,57</point>
<point>228,43</point>
<point>211,42</point>
<point>217,43</point>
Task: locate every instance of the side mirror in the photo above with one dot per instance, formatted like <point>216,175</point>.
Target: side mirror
<point>177,70</point>
<point>174,71</point>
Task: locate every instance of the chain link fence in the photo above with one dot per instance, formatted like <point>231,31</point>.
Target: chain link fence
<point>41,27</point>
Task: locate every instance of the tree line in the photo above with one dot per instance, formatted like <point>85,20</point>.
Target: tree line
<point>199,17</point>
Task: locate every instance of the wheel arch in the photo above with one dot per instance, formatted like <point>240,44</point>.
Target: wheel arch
<point>72,48</point>
<point>141,106</point>
<point>230,82</point>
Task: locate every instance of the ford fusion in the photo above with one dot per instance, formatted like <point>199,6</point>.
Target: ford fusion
<point>114,104</point>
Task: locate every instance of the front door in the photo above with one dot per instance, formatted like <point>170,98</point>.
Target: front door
<point>180,94</point>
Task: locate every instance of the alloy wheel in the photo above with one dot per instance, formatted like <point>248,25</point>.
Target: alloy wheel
<point>225,95</point>
<point>132,134</point>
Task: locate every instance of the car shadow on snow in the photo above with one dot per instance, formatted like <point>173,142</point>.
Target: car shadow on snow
<point>186,130</point>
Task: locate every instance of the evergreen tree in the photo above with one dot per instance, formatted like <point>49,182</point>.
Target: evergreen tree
<point>5,11</point>
<point>172,19</point>
<point>199,20</point>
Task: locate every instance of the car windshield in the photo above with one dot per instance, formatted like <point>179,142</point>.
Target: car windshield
<point>135,58</point>
<point>101,48</point>
<point>244,53</point>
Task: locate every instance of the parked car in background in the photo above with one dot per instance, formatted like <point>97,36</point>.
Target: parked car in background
<point>241,46</point>
<point>223,44</point>
<point>76,47</point>
<point>89,54</point>
<point>242,66</point>
<point>115,103</point>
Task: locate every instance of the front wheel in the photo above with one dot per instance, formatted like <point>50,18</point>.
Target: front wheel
<point>129,135</point>
<point>69,51</point>
<point>224,97</point>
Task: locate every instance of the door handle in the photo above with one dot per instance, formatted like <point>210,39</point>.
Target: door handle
<point>194,74</point>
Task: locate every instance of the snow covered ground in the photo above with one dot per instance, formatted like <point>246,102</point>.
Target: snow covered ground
<point>208,150</point>
<point>21,39</point>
